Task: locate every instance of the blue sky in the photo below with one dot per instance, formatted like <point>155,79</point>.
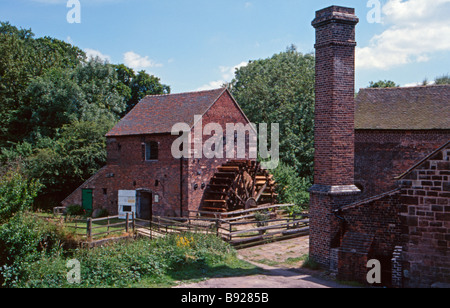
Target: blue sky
<point>197,44</point>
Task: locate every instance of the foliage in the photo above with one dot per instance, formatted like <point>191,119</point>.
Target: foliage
<point>23,58</point>
<point>124,264</point>
<point>76,153</point>
<point>444,79</point>
<point>291,188</point>
<point>310,263</point>
<point>16,192</point>
<point>280,90</point>
<point>383,84</point>
<point>75,210</point>
<point>57,106</point>
<point>24,240</point>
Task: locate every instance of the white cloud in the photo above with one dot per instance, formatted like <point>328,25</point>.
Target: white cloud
<point>227,74</point>
<point>138,62</point>
<point>92,53</point>
<point>416,29</point>
<point>211,85</point>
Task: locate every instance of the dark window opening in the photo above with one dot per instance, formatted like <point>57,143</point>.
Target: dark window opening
<point>105,191</point>
<point>127,208</point>
<point>151,151</point>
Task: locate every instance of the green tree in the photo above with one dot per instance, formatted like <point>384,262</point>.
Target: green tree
<point>22,59</point>
<point>61,96</point>
<point>135,87</point>
<point>63,163</point>
<point>383,84</point>
<point>280,90</point>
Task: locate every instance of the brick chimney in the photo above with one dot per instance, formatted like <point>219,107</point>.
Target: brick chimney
<point>334,127</point>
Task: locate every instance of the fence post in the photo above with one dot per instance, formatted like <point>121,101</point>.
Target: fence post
<point>127,222</point>
<point>151,227</point>
<point>133,223</point>
<point>217,227</point>
<point>89,228</point>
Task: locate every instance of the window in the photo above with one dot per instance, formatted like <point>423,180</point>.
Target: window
<point>151,151</point>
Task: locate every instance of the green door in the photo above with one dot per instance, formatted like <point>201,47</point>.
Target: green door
<point>87,199</point>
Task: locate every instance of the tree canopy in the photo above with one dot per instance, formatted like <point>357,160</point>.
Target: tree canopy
<point>56,107</point>
<point>444,79</point>
<point>280,90</point>
<point>383,84</point>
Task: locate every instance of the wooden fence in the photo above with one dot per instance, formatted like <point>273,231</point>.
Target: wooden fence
<point>239,228</point>
<point>91,229</point>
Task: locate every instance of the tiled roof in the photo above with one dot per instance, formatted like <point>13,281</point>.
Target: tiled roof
<point>409,108</point>
<point>156,114</point>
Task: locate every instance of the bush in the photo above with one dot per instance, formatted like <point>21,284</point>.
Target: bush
<point>75,210</point>
<point>291,188</point>
<point>121,264</point>
<point>16,192</point>
<point>24,240</point>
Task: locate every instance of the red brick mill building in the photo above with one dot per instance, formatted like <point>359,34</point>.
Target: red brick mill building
<point>141,174</point>
<point>382,169</point>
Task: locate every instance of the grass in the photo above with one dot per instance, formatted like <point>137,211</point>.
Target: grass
<point>310,263</point>
<point>78,225</point>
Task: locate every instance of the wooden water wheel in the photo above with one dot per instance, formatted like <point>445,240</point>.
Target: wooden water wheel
<point>239,184</point>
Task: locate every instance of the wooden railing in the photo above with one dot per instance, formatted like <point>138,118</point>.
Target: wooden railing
<point>239,228</point>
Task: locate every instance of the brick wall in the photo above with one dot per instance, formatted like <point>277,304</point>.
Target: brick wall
<point>379,218</point>
<point>382,155</point>
<point>127,170</point>
<point>375,219</point>
<point>426,221</point>
<point>202,170</point>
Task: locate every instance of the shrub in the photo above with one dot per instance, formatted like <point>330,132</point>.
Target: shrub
<point>16,192</point>
<point>24,240</point>
<point>75,210</point>
<point>291,188</point>
<point>121,264</point>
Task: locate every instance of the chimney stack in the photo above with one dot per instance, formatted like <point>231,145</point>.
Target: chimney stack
<point>334,126</point>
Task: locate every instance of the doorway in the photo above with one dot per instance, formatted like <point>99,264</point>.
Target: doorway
<point>144,205</point>
<point>87,200</point>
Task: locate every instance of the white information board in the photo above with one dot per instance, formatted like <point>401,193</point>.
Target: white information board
<point>127,203</point>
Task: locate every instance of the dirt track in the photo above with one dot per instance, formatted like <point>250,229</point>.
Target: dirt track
<point>281,262</point>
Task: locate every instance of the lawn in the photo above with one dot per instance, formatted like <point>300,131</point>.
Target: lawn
<point>78,225</point>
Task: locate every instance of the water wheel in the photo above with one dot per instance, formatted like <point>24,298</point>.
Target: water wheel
<point>239,184</point>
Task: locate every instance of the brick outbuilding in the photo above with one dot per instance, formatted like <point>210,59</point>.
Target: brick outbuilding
<point>142,175</point>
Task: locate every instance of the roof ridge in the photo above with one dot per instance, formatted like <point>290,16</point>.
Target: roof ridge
<point>406,87</point>
<point>183,93</point>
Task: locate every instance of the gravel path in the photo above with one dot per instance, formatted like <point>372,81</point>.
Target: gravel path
<point>281,263</point>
